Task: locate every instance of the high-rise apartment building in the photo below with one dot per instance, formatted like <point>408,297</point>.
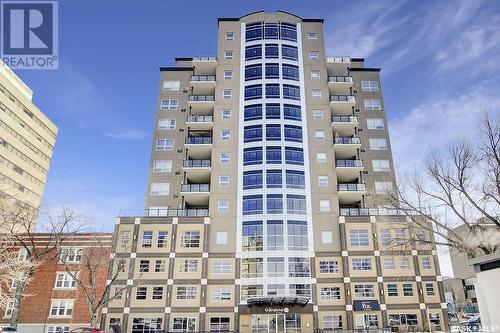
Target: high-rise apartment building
<point>27,139</point>
<point>267,166</point>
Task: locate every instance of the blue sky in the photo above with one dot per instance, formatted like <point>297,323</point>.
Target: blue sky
<point>440,70</point>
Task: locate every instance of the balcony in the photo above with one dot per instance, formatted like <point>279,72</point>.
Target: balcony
<point>201,104</point>
<point>340,85</point>
<point>164,212</point>
<point>198,147</point>
<point>204,65</point>
<point>338,60</point>
<point>351,193</point>
<point>197,171</point>
<point>348,170</point>
<point>200,122</point>
<point>195,194</point>
<point>342,104</point>
<point>344,125</point>
<point>345,146</point>
<point>374,212</point>
<point>203,84</point>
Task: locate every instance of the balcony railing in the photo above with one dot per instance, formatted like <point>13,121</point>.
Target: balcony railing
<point>347,140</point>
<point>204,58</point>
<point>342,98</point>
<point>338,59</point>
<point>352,187</point>
<point>164,212</point>
<point>374,212</point>
<point>202,78</point>
<point>349,163</point>
<point>196,163</point>
<point>201,98</point>
<point>199,119</point>
<point>344,119</point>
<point>340,79</point>
<point>198,140</point>
<point>195,188</point>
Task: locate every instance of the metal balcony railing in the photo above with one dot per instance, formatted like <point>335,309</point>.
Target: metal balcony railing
<point>344,119</point>
<point>338,59</point>
<point>201,98</point>
<point>196,163</point>
<point>349,163</point>
<point>164,212</point>
<point>195,188</point>
<point>199,119</point>
<point>204,58</point>
<point>352,187</point>
<point>198,140</point>
<point>340,79</point>
<point>203,78</point>
<point>342,98</point>
<point>347,140</point>
<point>374,212</point>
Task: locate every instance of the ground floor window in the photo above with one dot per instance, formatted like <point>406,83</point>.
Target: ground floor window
<point>403,319</point>
<point>366,321</point>
<point>267,323</point>
<point>184,324</point>
<point>147,325</point>
<point>219,324</point>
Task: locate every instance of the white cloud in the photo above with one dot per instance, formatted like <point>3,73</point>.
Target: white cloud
<point>131,134</point>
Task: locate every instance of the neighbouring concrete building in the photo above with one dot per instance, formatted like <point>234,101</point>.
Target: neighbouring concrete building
<point>267,164</point>
<point>27,139</point>
<point>55,302</point>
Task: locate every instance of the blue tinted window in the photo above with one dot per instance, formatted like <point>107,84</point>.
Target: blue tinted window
<point>273,155</point>
<point>253,72</point>
<point>288,31</point>
<point>253,52</point>
<point>289,52</point>
<point>271,51</point>
<point>271,31</point>
<point>252,156</point>
<point>253,236</point>
<point>272,71</point>
<point>272,90</point>
<point>273,132</point>
<point>296,204</point>
<point>294,155</point>
<point>290,72</point>
<point>272,111</point>
<point>292,133</point>
<point>295,179</point>
<point>253,92</point>
<point>274,179</point>
<point>253,32</point>
<point>274,204</point>
<point>291,112</point>
<point>252,204</point>
<point>252,133</point>
<point>291,92</point>
<point>253,112</point>
<point>252,179</point>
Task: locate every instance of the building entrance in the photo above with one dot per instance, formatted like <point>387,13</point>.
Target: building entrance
<point>276,323</point>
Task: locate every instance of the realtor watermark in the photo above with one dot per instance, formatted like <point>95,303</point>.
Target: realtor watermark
<point>30,34</point>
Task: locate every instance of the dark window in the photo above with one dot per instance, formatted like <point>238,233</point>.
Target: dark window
<point>294,155</point>
<point>252,179</point>
<point>273,155</point>
<point>253,32</point>
<point>252,156</point>
<point>271,51</point>
<point>289,52</point>
<point>290,72</point>
<point>272,111</point>
<point>253,72</point>
<point>292,112</point>
<point>295,179</point>
<point>272,90</point>
<point>291,92</point>
<point>288,31</point>
<point>274,203</point>
<point>274,179</point>
<point>252,204</point>
<point>253,92</point>
<point>272,71</point>
<point>253,112</point>
<point>273,132</point>
<point>253,133</point>
<point>271,31</point>
<point>292,133</point>
<point>253,52</point>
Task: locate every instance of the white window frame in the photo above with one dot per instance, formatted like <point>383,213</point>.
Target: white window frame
<point>164,144</point>
<point>225,135</point>
<point>372,104</point>
<point>318,114</point>
<point>220,295</point>
<point>324,205</point>
<point>312,36</point>
<point>316,94</point>
<point>319,135</point>
<point>229,35</point>
<point>227,94</point>
<point>159,189</point>
<point>378,144</point>
<point>222,159</point>
<point>315,75</point>
<point>224,181</point>
<point>228,75</point>
<point>313,55</point>
<point>321,160</point>
<point>223,206</point>
<point>71,255</point>
<point>228,54</point>
<point>323,181</point>
<point>221,267</point>
<point>65,305</point>
<point>381,165</point>
<point>162,166</point>
<point>171,85</point>
<point>226,114</point>
<point>169,104</point>
<point>167,123</point>
<point>64,278</point>
<point>369,86</point>
<point>9,309</point>
<point>221,237</point>
<point>326,237</point>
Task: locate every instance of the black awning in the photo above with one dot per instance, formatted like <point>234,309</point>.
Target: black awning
<point>263,301</point>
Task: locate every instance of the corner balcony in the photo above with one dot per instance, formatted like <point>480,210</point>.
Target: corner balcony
<point>345,147</point>
<point>201,104</point>
<point>340,85</point>
<point>344,125</point>
<point>198,147</point>
<point>197,171</point>
<point>195,195</point>
<point>204,65</point>
<point>342,104</point>
<point>200,122</point>
<point>203,84</point>
<point>348,170</point>
<point>350,193</point>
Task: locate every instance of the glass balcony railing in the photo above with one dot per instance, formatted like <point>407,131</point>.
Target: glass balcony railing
<point>199,119</point>
<point>344,119</point>
<point>349,163</point>
<point>201,98</point>
<point>195,188</point>
<point>374,212</point>
<point>339,79</point>
<point>347,140</point>
<point>196,163</point>
<point>203,78</point>
<point>352,187</point>
<point>342,98</point>
<point>164,212</point>
<point>198,140</point>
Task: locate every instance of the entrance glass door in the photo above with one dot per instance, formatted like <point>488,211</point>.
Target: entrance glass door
<point>276,323</point>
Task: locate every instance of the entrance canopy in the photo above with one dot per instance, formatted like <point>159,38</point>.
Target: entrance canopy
<point>266,301</point>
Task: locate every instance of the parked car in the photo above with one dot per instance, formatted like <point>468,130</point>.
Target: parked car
<point>8,329</point>
<point>86,330</point>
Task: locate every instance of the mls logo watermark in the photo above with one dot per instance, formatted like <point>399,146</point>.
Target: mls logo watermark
<point>30,34</point>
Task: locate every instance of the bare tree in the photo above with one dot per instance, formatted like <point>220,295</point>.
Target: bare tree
<point>459,187</point>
